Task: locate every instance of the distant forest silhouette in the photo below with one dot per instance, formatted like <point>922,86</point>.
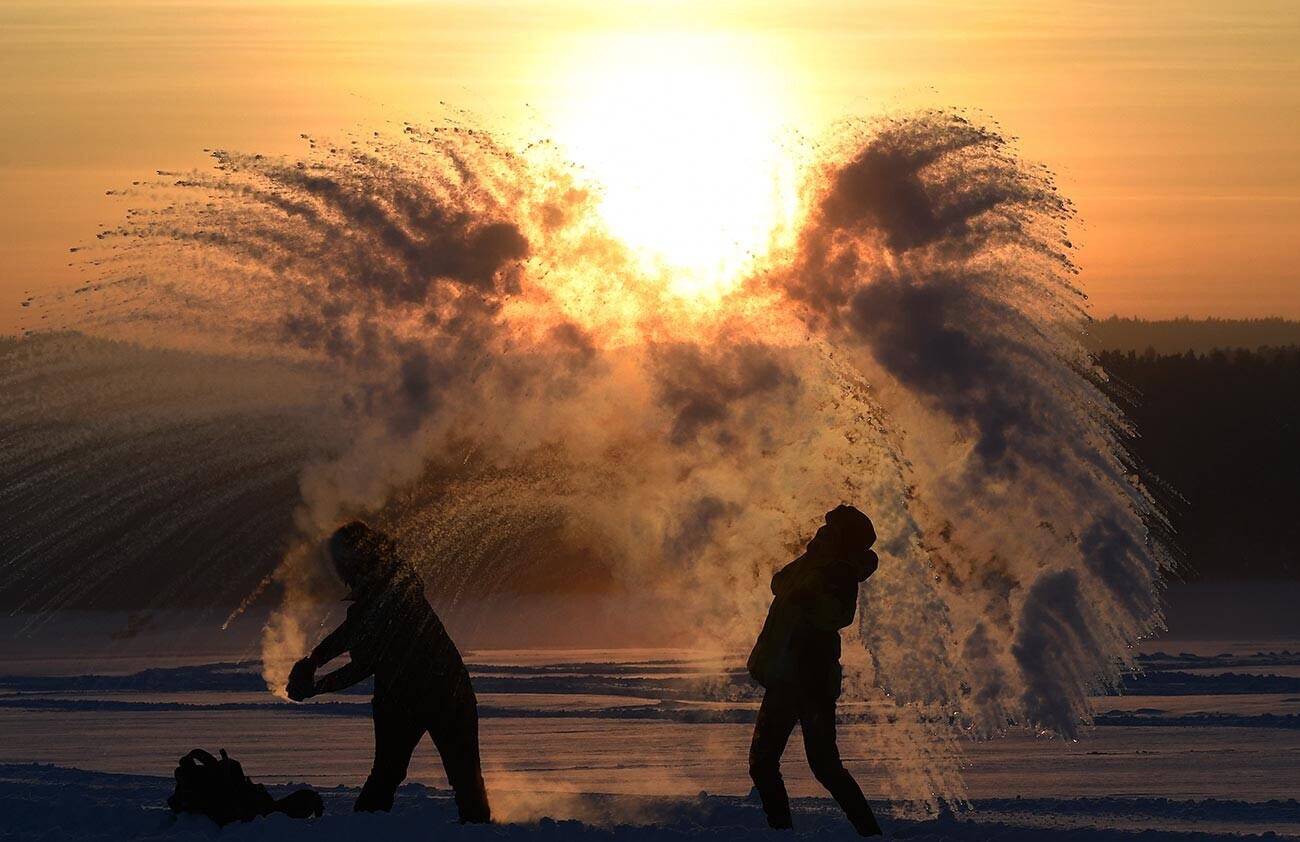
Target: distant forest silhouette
<point>1219,436</point>
<point>1172,336</point>
<point>1219,442</point>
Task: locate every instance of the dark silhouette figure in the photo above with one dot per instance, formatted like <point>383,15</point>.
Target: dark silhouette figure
<point>220,790</point>
<point>797,660</point>
<point>421,684</point>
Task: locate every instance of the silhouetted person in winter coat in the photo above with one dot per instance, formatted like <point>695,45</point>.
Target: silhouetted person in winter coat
<point>421,684</point>
<point>797,660</point>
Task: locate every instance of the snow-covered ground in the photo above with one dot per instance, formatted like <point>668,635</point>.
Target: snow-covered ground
<point>47,802</point>
<point>624,744</point>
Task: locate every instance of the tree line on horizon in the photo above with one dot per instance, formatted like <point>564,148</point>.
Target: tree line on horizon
<point>1218,442</point>
<point>1170,336</point>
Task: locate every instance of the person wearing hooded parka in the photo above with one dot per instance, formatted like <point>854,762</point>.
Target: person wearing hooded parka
<point>421,684</point>
<point>797,661</point>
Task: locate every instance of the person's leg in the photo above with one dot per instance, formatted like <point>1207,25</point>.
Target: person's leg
<point>817,718</point>
<point>455,733</point>
<point>772,729</point>
<point>396,735</point>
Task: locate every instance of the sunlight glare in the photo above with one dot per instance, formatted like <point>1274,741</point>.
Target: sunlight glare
<point>684,135</point>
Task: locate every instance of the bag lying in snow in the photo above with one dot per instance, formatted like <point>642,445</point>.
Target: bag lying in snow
<point>219,790</point>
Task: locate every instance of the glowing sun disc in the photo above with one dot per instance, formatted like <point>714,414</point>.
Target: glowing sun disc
<point>684,136</point>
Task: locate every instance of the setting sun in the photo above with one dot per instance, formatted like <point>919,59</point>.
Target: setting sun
<point>607,390</point>
<point>686,139</point>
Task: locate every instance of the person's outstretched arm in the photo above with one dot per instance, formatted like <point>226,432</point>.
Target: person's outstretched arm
<point>302,678</point>
<point>334,644</point>
<point>342,678</point>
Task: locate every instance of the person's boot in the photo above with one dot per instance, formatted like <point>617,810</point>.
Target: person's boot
<point>776,807</point>
<point>473,810</point>
<point>375,797</point>
<point>865,824</point>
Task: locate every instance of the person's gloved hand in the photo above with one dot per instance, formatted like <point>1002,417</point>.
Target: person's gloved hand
<point>302,680</point>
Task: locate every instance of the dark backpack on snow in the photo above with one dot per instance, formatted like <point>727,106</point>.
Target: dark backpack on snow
<point>220,790</point>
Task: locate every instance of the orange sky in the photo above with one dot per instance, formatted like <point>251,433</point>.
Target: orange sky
<point>1175,127</point>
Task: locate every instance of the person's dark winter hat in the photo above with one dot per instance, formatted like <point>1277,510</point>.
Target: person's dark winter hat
<point>366,558</point>
<point>347,549</point>
<point>853,527</point>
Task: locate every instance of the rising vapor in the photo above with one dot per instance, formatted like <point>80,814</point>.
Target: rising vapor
<point>483,369</point>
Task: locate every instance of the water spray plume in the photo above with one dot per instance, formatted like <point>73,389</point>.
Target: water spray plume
<point>487,372</point>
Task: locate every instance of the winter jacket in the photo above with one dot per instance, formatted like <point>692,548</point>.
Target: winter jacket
<point>816,595</point>
<point>392,633</point>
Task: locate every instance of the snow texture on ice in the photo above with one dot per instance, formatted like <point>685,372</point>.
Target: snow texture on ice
<point>53,803</point>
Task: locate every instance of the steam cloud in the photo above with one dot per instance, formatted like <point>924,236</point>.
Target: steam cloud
<point>507,389</point>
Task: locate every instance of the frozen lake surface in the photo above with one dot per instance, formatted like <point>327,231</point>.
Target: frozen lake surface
<point>625,744</point>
